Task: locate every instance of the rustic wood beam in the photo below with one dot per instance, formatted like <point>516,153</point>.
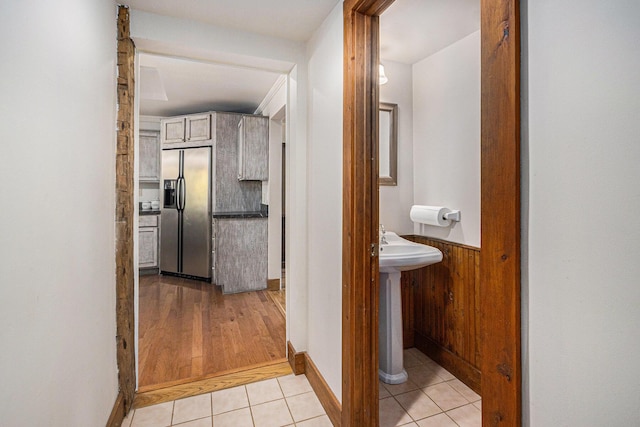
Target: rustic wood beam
<point>124,212</point>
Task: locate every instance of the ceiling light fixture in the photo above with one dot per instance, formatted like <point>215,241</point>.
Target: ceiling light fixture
<point>383,78</point>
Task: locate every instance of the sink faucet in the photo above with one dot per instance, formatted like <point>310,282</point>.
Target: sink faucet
<point>383,239</point>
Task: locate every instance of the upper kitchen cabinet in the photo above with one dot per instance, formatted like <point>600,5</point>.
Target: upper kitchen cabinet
<point>198,127</point>
<point>173,130</point>
<point>149,156</point>
<point>192,128</point>
<point>253,148</point>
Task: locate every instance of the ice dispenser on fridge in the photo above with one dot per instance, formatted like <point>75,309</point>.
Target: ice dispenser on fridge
<point>170,193</point>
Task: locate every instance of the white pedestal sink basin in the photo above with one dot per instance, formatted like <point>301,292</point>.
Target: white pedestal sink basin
<point>395,256</point>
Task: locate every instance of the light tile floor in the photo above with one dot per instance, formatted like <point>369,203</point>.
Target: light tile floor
<point>431,398</point>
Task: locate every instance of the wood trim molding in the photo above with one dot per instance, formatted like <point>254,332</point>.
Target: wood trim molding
<point>360,297</point>
<point>301,363</point>
<point>500,214</point>
<point>418,238</point>
<point>124,214</point>
<point>117,413</point>
<point>328,400</point>
<point>219,382</point>
<point>296,359</point>
<point>500,223</point>
<point>273,284</point>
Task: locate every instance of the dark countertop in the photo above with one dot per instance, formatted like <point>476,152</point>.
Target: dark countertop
<point>256,214</point>
<point>227,215</point>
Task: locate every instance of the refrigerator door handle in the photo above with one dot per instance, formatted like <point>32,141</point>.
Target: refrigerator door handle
<point>183,191</point>
<point>178,194</point>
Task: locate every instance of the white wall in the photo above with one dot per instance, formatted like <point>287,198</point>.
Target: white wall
<point>275,109</point>
<point>396,201</point>
<point>325,199</point>
<point>296,243</point>
<point>582,149</point>
<point>57,264</point>
<point>446,137</point>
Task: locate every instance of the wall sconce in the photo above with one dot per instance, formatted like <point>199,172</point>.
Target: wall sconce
<point>382,76</point>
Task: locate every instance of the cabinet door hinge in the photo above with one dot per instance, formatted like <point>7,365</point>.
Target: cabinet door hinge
<point>374,250</point>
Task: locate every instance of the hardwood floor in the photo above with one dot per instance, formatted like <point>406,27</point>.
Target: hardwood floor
<point>189,331</point>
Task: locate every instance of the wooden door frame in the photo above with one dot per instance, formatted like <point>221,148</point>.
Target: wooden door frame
<point>501,364</point>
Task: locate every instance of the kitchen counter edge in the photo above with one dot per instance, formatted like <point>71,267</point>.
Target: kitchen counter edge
<point>236,215</point>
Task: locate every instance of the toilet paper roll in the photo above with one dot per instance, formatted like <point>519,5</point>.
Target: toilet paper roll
<point>430,215</point>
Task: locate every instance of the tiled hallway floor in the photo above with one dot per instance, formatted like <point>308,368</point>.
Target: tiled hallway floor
<point>431,398</point>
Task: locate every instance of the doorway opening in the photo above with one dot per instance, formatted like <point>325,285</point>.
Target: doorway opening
<point>499,265</point>
<point>190,331</point>
<point>433,81</point>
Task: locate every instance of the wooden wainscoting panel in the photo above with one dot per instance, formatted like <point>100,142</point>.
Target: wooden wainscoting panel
<point>441,315</point>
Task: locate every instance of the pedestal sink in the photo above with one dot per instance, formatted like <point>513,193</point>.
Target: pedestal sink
<point>396,255</point>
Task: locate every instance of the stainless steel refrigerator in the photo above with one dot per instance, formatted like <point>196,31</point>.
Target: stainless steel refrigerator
<point>185,227</point>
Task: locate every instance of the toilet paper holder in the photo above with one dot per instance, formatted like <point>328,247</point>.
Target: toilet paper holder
<point>452,216</point>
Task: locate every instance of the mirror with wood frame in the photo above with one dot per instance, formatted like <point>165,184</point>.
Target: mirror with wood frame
<point>388,144</point>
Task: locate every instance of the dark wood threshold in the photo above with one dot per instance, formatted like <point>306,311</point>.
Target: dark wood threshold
<point>219,382</point>
<point>169,384</point>
<point>117,413</point>
<point>464,371</point>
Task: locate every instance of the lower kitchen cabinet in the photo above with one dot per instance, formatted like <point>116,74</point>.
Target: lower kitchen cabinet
<point>148,242</point>
<point>240,254</point>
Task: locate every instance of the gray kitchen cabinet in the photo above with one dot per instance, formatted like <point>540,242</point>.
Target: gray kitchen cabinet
<point>198,127</point>
<point>148,242</point>
<point>195,127</point>
<point>240,254</point>
<point>149,156</point>
<point>173,130</point>
<point>253,148</point>
<point>231,195</point>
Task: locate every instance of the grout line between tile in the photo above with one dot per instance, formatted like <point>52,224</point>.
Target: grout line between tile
<point>246,392</point>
